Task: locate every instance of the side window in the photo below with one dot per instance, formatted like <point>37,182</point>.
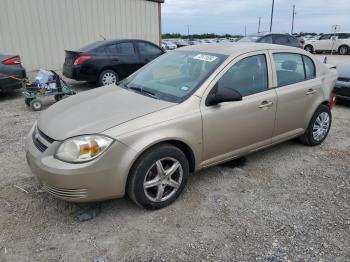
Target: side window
<point>289,68</point>
<point>266,39</point>
<point>280,39</point>
<point>343,36</point>
<point>310,71</point>
<point>248,76</point>
<point>148,49</point>
<point>325,37</point>
<point>126,48</point>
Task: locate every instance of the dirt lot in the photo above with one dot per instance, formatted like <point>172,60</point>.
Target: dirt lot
<point>286,203</point>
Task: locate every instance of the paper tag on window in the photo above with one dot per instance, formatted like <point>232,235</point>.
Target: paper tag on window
<point>207,58</point>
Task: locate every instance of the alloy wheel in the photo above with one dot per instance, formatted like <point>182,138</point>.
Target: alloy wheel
<point>321,126</point>
<point>163,179</point>
<point>343,50</point>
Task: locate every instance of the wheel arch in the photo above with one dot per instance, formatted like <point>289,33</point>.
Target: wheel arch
<point>309,45</point>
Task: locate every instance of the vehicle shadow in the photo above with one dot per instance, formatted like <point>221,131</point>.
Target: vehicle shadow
<point>10,95</point>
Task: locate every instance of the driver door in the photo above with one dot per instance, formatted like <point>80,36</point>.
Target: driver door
<point>233,128</point>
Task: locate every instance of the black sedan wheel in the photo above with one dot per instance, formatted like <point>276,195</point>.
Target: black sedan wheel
<point>108,77</point>
<point>158,177</point>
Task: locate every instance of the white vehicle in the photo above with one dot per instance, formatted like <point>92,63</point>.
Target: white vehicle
<point>340,42</point>
<point>169,45</point>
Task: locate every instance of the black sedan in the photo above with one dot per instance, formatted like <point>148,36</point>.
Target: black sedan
<point>109,61</point>
<point>11,72</point>
<point>279,39</point>
<point>342,86</point>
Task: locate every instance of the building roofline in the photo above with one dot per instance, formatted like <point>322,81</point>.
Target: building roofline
<point>157,1</point>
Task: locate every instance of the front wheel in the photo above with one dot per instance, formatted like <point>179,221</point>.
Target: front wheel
<point>158,177</point>
<point>319,127</point>
<point>309,48</point>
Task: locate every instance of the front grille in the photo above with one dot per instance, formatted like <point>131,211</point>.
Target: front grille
<point>343,79</point>
<point>46,137</point>
<point>38,144</point>
<point>65,193</point>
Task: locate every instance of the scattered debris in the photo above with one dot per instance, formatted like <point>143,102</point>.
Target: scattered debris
<point>88,213</point>
<point>22,189</point>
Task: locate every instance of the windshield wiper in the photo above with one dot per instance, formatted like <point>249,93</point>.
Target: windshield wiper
<point>143,91</point>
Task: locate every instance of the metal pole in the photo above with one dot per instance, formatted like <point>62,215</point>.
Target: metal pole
<point>293,19</point>
<point>273,3</point>
<point>188,32</point>
<point>259,24</point>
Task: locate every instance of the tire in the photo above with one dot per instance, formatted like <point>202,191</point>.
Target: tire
<point>343,50</point>
<point>309,48</point>
<point>27,101</point>
<point>319,122</point>
<point>164,189</point>
<point>36,105</point>
<point>58,97</point>
<point>108,77</point>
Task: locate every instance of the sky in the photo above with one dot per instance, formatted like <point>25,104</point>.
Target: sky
<point>231,16</point>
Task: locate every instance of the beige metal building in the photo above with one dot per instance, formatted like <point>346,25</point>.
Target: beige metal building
<point>40,30</point>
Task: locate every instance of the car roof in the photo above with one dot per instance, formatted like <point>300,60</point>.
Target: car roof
<point>232,48</point>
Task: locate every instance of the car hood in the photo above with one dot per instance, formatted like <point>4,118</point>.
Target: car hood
<point>344,70</point>
<point>95,111</point>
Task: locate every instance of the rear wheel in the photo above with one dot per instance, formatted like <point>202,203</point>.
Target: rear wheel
<point>158,177</point>
<point>36,105</point>
<point>343,50</point>
<point>309,48</point>
<point>108,77</point>
<point>319,127</point>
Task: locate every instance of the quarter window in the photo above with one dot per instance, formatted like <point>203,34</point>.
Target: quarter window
<point>310,71</point>
<point>248,76</point>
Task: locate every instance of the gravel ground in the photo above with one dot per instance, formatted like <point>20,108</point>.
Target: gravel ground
<point>286,203</point>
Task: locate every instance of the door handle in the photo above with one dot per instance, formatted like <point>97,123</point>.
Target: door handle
<point>265,104</point>
<point>311,91</point>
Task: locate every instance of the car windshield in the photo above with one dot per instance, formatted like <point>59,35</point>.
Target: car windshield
<point>250,38</point>
<point>174,76</point>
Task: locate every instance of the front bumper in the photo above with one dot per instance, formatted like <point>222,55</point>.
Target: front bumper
<point>100,179</point>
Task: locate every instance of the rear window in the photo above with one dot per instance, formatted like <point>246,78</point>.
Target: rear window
<point>343,36</point>
<point>91,46</point>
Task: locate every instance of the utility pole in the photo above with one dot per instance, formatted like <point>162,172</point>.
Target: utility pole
<point>273,3</point>
<point>294,13</point>
<point>188,32</point>
<point>259,24</point>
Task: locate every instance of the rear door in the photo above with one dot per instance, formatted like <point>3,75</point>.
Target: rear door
<point>299,93</point>
<point>147,52</point>
<point>123,58</point>
<point>324,43</point>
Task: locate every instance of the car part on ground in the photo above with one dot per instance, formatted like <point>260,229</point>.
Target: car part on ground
<point>177,115</point>
<point>46,83</point>
<point>109,61</point>
<point>11,72</point>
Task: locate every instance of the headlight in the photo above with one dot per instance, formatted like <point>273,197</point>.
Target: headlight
<point>83,148</point>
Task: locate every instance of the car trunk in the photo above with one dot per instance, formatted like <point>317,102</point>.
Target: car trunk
<point>71,56</point>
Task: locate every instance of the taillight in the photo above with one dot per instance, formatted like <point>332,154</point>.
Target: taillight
<point>81,59</point>
<point>12,61</point>
<point>333,101</point>
<point>301,45</point>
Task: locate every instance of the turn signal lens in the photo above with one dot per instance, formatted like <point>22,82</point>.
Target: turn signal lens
<point>83,148</point>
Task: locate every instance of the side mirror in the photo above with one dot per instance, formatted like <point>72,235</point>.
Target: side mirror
<point>217,96</point>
